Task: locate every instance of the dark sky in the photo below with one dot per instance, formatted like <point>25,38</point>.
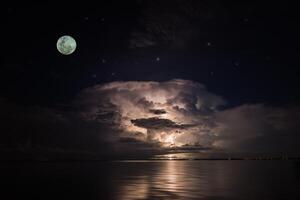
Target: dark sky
<point>246,52</point>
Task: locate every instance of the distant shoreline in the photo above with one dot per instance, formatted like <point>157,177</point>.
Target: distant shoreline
<point>151,159</point>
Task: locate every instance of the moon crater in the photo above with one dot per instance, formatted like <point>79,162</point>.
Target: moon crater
<point>66,45</point>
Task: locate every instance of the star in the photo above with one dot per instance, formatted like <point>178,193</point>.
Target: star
<point>157,59</point>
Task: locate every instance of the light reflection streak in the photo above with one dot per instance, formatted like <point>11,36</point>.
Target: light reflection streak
<point>173,180</point>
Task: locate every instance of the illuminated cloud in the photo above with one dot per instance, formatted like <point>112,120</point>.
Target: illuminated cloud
<point>182,114</point>
<point>258,128</point>
<point>142,118</point>
<point>172,113</point>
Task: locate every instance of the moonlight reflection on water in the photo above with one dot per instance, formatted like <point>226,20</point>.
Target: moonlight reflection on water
<point>149,179</point>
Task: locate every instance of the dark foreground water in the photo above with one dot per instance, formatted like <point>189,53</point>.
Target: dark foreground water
<point>151,180</point>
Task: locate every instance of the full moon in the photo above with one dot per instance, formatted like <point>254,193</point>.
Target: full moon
<point>66,45</point>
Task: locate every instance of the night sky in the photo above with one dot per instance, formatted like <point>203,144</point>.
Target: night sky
<point>216,76</point>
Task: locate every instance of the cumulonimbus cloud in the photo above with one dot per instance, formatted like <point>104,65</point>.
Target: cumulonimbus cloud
<point>180,113</point>
<point>174,113</point>
<point>145,116</point>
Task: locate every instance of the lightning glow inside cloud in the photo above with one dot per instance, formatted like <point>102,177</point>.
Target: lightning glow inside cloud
<point>150,118</point>
<point>172,113</point>
<point>176,114</point>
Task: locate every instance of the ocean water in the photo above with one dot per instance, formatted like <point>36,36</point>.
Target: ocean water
<point>124,180</point>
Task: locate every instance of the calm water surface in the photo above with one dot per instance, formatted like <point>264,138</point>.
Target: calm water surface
<point>152,180</point>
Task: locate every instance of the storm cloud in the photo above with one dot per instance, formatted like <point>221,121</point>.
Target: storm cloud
<point>147,117</point>
<point>174,24</point>
<point>180,113</point>
<point>158,123</point>
<point>175,112</point>
<point>258,128</point>
<point>158,111</point>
